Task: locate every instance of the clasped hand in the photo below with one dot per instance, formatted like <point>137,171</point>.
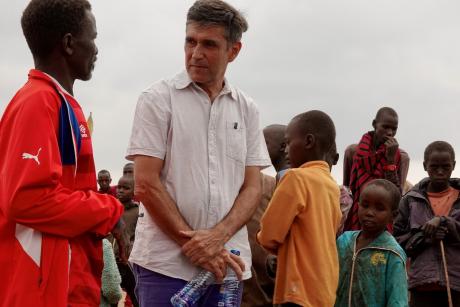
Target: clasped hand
<point>206,249</point>
<point>434,229</point>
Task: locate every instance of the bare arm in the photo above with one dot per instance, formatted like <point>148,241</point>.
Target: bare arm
<point>156,200</point>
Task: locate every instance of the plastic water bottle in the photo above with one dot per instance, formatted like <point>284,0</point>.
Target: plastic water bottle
<point>229,290</point>
<point>193,290</point>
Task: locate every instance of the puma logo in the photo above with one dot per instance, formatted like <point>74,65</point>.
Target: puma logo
<point>26,155</point>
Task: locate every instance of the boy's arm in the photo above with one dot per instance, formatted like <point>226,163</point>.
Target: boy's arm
<point>396,282</point>
<point>287,202</point>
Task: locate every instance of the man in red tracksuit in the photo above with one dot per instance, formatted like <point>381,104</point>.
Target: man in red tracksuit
<point>51,218</point>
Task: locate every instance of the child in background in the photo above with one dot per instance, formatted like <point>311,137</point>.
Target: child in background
<point>346,201</point>
<point>372,264</point>
<point>377,157</point>
<point>125,194</point>
<point>428,215</point>
<point>104,179</point>
<point>303,216</point>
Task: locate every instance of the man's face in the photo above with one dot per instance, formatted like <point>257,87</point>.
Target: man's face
<point>207,53</point>
<point>84,49</point>
<point>128,170</point>
<point>273,147</point>
<point>439,167</point>
<point>104,181</point>
<point>295,144</point>
<point>385,127</point>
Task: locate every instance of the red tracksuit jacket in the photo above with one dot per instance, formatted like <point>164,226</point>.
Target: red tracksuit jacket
<point>51,218</point>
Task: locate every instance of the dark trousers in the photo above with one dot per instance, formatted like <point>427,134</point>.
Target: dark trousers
<point>433,298</point>
<point>155,290</point>
<point>128,282</point>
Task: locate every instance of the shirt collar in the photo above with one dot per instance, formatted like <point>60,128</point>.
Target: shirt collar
<point>317,163</point>
<point>58,84</point>
<point>35,73</point>
<point>182,80</point>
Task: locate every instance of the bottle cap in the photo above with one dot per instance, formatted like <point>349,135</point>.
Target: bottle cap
<point>235,252</point>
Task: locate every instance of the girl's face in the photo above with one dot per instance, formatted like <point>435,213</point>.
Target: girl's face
<point>374,211</point>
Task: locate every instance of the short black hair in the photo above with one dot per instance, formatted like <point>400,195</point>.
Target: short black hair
<point>385,110</point>
<point>103,171</point>
<point>129,179</point>
<point>438,146</point>
<point>390,187</point>
<point>45,22</point>
<point>320,125</point>
<point>219,13</point>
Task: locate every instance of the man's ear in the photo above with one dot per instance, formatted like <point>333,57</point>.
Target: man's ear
<point>67,43</point>
<point>374,124</point>
<point>453,166</point>
<point>234,50</point>
<point>282,147</point>
<point>424,166</point>
<point>310,141</point>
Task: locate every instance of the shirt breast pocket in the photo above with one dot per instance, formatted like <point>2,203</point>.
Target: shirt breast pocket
<point>235,141</point>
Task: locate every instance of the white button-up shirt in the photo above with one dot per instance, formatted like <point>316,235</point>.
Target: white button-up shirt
<point>205,147</point>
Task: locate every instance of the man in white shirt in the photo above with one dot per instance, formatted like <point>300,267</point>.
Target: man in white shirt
<point>197,149</point>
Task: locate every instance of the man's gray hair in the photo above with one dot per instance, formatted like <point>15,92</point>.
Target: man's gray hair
<point>219,13</point>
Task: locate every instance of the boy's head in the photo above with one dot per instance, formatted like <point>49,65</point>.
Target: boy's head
<point>276,144</point>
<point>125,189</point>
<point>378,204</point>
<point>128,169</point>
<point>104,180</point>
<point>385,124</point>
<point>309,137</point>
<point>439,162</point>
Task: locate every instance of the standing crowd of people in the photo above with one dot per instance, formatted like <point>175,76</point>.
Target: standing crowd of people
<point>194,193</point>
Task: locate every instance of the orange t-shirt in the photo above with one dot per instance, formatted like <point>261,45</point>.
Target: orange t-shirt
<point>442,202</point>
<point>299,226</point>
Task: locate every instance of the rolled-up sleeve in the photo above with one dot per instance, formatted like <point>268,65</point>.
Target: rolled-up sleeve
<point>151,125</point>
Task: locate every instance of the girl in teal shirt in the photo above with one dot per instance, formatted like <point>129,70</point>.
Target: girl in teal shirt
<point>372,264</point>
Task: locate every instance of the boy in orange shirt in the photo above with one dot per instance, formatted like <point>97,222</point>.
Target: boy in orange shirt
<point>301,221</point>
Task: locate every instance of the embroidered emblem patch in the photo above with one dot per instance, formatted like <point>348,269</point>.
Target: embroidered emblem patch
<point>378,258</point>
<point>26,155</point>
<point>83,131</point>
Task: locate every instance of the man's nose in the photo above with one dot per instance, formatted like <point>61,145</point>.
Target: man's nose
<point>197,52</point>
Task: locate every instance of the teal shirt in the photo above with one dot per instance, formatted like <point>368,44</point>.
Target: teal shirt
<point>375,273</point>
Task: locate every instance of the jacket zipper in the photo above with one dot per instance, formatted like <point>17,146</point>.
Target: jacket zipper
<point>355,256</point>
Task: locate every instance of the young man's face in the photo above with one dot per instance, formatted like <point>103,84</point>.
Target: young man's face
<point>295,144</point>
<point>275,149</point>
<point>125,190</point>
<point>439,167</point>
<point>84,49</point>
<point>374,211</point>
<point>207,53</point>
<point>128,169</point>
<point>385,127</point>
<point>104,181</point>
